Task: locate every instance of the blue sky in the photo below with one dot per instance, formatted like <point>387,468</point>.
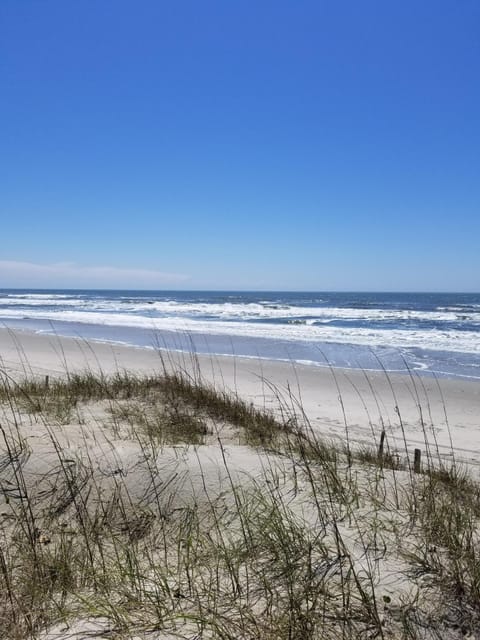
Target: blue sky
<point>240,145</point>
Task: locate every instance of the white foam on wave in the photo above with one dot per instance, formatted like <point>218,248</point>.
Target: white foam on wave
<point>37,301</point>
<point>239,311</point>
<point>435,339</point>
<point>253,310</point>
<point>38,296</point>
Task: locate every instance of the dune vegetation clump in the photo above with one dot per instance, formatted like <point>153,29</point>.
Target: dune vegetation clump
<point>161,507</point>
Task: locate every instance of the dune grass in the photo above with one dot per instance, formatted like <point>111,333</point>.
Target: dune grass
<point>317,542</point>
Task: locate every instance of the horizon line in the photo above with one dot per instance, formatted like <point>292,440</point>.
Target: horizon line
<point>234,290</point>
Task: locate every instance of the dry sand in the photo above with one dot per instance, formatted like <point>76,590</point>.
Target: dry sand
<point>117,468</point>
<point>442,411</point>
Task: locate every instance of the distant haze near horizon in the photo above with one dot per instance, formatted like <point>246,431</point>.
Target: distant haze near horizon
<point>308,146</point>
<point>167,290</point>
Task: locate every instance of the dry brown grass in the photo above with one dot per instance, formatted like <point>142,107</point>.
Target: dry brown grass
<point>323,543</point>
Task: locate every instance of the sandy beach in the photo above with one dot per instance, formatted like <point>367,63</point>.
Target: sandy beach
<point>185,483</point>
<point>443,412</point>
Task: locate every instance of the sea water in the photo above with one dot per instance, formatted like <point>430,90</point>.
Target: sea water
<point>424,332</point>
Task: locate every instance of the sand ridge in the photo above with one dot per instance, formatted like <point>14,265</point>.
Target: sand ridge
<point>410,408</point>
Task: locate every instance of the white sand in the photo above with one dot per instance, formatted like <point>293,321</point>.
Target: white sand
<point>113,470</point>
<point>441,412</point>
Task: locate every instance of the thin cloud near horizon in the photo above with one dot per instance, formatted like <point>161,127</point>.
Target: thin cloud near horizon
<point>17,274</point>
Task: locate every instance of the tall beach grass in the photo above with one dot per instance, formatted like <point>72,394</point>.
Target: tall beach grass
<point>162,507</point>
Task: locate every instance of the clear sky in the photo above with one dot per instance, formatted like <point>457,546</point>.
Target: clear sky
<point>309,145</point>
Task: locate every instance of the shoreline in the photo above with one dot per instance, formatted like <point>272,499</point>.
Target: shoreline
<point>156,346</point>
<point>337,403</point>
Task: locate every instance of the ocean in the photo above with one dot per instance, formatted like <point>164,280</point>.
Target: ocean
<point>429,333</point>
